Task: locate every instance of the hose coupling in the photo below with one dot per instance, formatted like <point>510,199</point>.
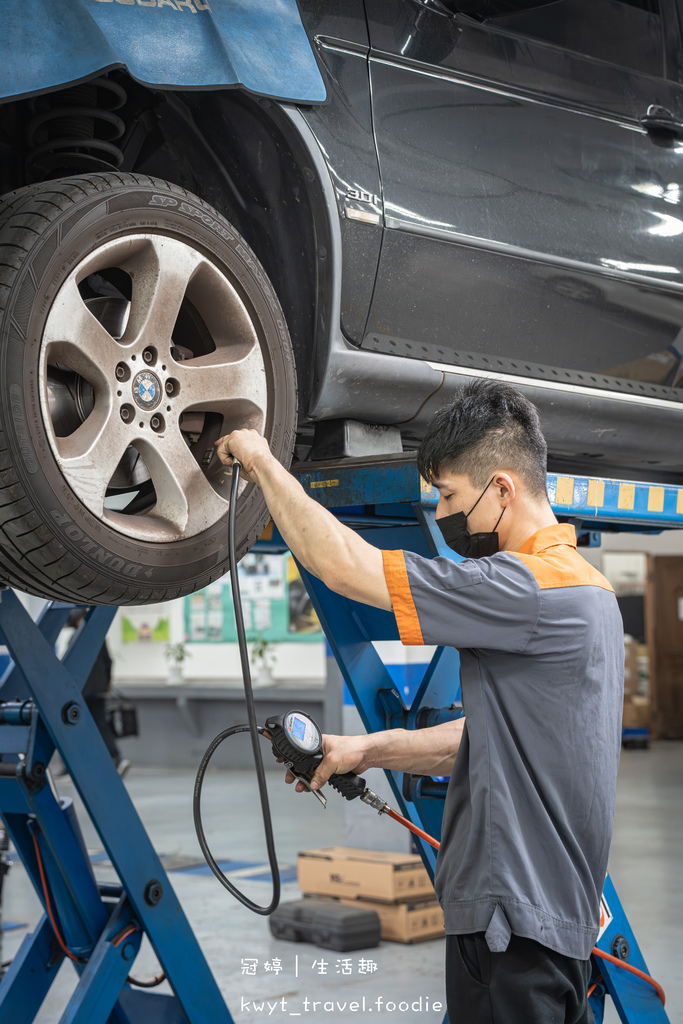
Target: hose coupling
<point>368,797</point>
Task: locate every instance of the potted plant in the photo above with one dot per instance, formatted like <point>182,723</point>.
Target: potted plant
<point>263,659</point>
<point>176,655</point>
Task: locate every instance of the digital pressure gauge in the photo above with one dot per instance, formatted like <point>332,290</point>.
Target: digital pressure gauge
<point>303,733</point>
<point>297,739</point>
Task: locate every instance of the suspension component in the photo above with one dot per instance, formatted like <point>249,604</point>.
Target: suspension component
<point>75,130</point>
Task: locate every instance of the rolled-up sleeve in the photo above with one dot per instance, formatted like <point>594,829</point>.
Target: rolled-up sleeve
<point>489,603</point>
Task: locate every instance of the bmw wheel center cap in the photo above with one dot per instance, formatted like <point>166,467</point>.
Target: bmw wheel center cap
<point>146,390</point>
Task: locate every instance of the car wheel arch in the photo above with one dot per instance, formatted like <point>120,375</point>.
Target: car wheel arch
<point>230,149</point>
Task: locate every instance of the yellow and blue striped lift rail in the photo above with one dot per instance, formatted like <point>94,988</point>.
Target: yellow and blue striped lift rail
<point>393,480</point>
<point>616,501</point>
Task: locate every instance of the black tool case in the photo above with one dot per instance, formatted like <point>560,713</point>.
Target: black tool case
<point>327,924</point>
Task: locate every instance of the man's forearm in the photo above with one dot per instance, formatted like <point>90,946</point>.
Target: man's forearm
<point>343,560</point>
<point>418,751</point>
<point>325,547</point>
<point>307,528</point>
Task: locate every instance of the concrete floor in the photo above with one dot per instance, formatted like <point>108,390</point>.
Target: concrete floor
<point>645,867</point>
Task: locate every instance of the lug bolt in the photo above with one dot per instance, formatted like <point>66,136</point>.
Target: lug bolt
<point>172,386</point>
<point>149,355</point>
<point>157,423</point>
<point>122,372</point>
<point>127,413</point>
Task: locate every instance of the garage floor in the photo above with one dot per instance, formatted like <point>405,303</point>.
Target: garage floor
<point>645,866</point>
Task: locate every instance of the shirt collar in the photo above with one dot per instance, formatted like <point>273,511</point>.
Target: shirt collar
<point>560,534</point>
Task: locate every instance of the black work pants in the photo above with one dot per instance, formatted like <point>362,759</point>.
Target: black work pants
<point>527,984</point>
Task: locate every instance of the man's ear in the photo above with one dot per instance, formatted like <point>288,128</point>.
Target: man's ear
<point>505,486</point>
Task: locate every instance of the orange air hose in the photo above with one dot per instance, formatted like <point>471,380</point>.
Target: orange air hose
<point>632,970</point>
<point>48,906</point>
<point>413,828</point>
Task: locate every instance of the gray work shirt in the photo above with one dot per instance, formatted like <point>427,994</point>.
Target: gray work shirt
<point>528,815</point>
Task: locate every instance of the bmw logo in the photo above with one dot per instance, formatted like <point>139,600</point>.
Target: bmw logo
<point>146,390</point>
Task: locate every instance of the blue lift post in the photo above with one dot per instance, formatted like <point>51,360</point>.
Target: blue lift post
<point>387,501</point>
<point>41,709</point>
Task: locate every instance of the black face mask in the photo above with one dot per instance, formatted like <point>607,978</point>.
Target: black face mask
<point>469,545</point>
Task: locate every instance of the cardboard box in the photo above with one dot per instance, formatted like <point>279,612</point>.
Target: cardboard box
<point>630,665</point>
<point>643,670</point>
<point>637,712</point>
<point>364,874</point>
<point>407,922</point>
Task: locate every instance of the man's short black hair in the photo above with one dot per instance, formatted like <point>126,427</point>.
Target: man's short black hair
<point>489,427</point>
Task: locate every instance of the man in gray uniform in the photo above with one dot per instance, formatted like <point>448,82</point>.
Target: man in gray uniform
<point>528,816</point>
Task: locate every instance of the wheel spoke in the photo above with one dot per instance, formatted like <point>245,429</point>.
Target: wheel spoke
<point>186,501</point>
<point>90,455</point>
<point>222,383</point>
<point>76,338</point>
<point>161,273</point>
<point>237,389</point>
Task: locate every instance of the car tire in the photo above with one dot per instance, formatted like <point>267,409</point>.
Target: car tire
<point>136,326</point>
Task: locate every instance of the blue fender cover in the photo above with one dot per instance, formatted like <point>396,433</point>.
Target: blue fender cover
<point>174,44</point>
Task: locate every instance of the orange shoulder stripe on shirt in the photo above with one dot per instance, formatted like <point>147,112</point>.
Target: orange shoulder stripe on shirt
<point>401,597</point>
<point>562,566</point>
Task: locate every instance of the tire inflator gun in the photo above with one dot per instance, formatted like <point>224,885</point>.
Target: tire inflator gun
<point>296,740</point>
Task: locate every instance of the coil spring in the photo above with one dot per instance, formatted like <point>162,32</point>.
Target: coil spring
<point>75,130</point>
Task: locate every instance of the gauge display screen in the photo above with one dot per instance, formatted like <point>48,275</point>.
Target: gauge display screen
<point>298,728</point>
<point>303,732</point>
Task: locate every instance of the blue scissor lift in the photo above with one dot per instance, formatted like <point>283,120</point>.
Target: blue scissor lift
<point>41,709</point>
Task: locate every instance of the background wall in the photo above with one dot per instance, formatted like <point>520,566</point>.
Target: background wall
<point>208,662</point>
<point>670,542</point>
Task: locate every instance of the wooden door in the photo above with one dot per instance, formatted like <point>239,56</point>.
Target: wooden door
<point>664,605</point>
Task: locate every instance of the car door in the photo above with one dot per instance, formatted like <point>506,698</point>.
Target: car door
<point>531,167</point>
<point>343,129</point>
